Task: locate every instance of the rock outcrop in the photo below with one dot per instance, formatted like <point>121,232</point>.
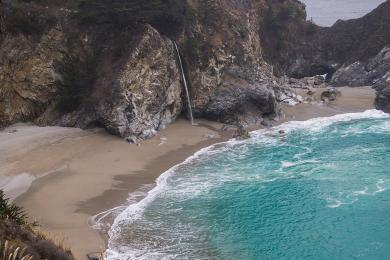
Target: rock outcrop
<point>134,96</point>
<point>65,75</point>
<point>28,75</point>
<point>228,75</point>
<point>300,48</point>
<point>127,80</point>
<point>382,100</point>
<point>58,69</point>
<point>375,71</point>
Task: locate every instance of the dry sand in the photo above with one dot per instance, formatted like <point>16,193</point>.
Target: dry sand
<point>63,176</point>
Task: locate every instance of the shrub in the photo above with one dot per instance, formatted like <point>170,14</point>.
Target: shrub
<point>167,16</point>
<point>191,49</point>
<point>10,211</point>
<point>27,19</point>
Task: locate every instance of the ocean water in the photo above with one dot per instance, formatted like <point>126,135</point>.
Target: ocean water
<point>319,191</point>
<point>327,12</point>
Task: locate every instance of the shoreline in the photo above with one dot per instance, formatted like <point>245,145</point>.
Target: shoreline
<point>117,176</point>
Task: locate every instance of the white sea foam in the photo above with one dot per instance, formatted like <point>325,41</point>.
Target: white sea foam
<point>361,192</point>
<point>135,211</point>
<point>335,204</point>
<point>379,186</point>
<point>317,124</point>
<point>286,164</point>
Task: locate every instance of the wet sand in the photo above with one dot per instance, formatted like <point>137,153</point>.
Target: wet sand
<point>68,175</point>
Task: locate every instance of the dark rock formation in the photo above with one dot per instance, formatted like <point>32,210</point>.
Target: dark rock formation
<point>126,80</point>
<point>330,95</point>
<point>382,100</point>
<point>375,71</point>
<point>230,101</point>
<point>65,75</point>
<point>306,49</point>
<point>224,59</point>
<point>134,96</point>
<point>121,73</point>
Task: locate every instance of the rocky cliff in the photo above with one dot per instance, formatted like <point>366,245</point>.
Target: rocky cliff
<point>65,72</point>
<point>351,53</point>
<point>90,63</point>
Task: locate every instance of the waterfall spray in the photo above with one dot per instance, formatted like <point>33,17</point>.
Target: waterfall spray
<point>185,83</point>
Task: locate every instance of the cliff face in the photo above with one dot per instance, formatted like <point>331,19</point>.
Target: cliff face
<point>351,53</point>
<point>223,54</point>
<point>65,74</point>
<point>28,75</point>
<point>128,80</point>
<point>56,69</point>
<point>134,94</point>
<point>300,48</point>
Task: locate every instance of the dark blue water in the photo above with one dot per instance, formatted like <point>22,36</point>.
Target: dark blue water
<point>319,192</point>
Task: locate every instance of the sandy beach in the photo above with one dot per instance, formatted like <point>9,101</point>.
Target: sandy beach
<point>64,176</point>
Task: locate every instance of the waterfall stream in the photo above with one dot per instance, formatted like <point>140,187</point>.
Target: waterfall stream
<point>185,83</point>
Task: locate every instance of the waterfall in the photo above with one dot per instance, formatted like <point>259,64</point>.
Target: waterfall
<point>185,83</point>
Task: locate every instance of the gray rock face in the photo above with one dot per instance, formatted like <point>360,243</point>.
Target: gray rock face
<point>28,75</point>
<point>231,101</point>
<point>382,100</point>
<point>225,62</point>
<point>137,88</point>
<point>132,96</point>
<point>141,98</point>
<point>359,73</point>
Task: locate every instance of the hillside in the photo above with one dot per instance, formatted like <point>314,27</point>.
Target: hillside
<point>114,64</point>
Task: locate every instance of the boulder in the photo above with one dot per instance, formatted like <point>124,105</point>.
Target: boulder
<point>367,73</point>
<point>330,95</point>
<point>236,101</point>
<point>382,100</point>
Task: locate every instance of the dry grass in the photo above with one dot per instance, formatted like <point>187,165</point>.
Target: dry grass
<point>9,251</point>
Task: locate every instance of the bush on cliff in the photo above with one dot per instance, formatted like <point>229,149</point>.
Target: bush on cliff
<point>167,16</point>
<point>18,238</point>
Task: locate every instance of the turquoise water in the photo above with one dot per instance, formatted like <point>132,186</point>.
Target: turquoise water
<point>319,192</point>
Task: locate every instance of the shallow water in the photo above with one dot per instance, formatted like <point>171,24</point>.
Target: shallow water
<point>327,12</point>
<point>319,192</point>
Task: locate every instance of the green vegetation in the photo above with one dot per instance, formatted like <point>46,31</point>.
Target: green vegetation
<point>192,48</point>
<point>26,18</point>
<point>9,211</point>
<point>20,240</point>
<point>167,16</point>
<point>278,16</point>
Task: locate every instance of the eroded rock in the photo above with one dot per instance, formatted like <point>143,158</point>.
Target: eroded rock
<point>330,95</point>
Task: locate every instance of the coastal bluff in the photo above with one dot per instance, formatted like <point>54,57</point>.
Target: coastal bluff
<point>73,64</point>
